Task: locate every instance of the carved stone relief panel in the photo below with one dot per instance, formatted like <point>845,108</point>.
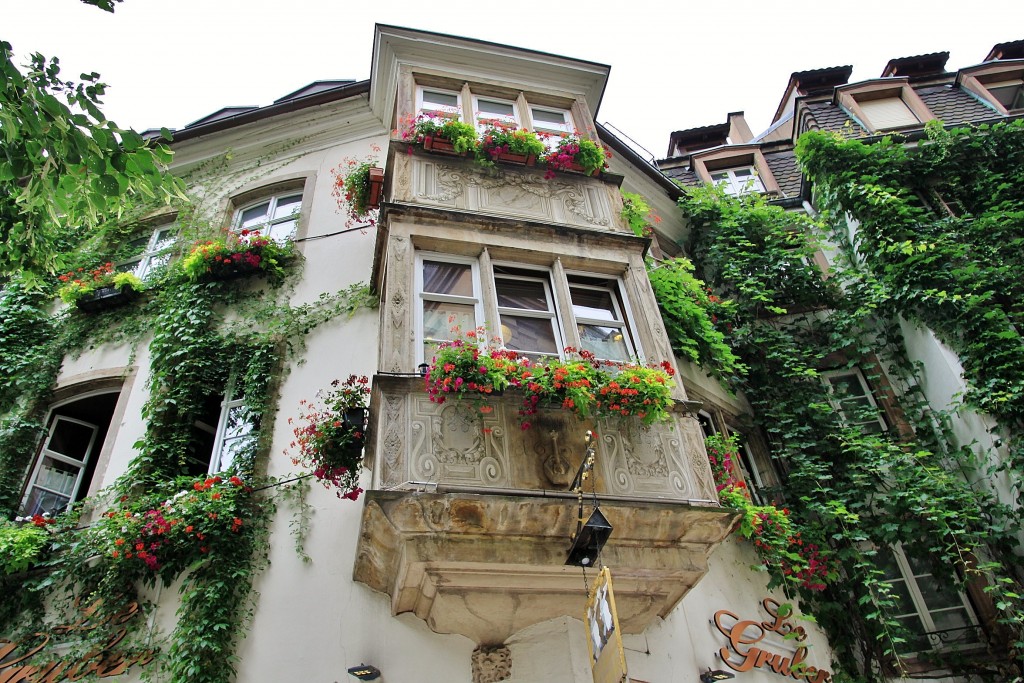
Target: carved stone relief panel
<point>520,194</point>
<point>491,664</point>
<point>454,443</point>
<point>393,441</point>
<point>395,337</point>
<point>646,460</point>
<point>698,460</point>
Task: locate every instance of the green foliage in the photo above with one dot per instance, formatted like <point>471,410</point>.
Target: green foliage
<point>64,164</point>
<point>691,313</point>
<point>20,545</point>
<point>638,214</point>
<point>858,490</point>
<point>232,255</point>
<point>502,139</point>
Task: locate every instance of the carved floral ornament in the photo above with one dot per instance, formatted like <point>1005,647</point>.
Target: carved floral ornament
<point>491,664</point>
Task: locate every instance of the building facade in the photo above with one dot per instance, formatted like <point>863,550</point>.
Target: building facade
<point>451,566</point>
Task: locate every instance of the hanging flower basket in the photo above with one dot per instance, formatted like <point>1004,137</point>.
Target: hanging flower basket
<point>106,298</point>
<point>331,433</point>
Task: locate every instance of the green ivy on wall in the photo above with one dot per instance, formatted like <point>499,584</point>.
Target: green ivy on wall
<point>850,490</point>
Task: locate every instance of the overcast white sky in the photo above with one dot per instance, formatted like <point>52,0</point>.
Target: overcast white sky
<point>674,65</point>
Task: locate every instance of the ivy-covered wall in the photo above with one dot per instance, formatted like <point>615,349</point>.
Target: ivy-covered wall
<point>851,489</point>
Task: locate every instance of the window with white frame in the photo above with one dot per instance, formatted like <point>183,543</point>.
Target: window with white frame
<point>598,310</point>
<point>526,311</point>
<point>752,473</point>
<point>551,124</point>
<point>68,454</point>
<point>529,304</point>
<point>275,217</point>
<point>490,110</point>
<point>153,251</point>
<point>450,302</point>
<point>934,613</point>
<point>737,181</point>
<point>431,100</point>
<point>224,429</point>
<point>852,397</point>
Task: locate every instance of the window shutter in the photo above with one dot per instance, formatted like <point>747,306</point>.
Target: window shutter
<point>890,112</point>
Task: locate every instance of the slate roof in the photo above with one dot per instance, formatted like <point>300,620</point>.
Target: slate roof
<point>953,105</point>
<point>828,116</point>
<point>685,176</point>
<point>787,174</point>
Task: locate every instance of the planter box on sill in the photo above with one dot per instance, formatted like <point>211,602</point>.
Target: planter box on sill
<point>517,159</point>
<point>376,187</point>
<point>106,298</point>
<point>439,145</point>
<point>573,167</point>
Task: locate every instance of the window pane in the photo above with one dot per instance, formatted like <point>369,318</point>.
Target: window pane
<point>492,108</point>
<point>58,476</point>
<point>281,232</point>
<point>448,278</point>
<point>440,99</point>
<point>40,501</point>
<point>239,422</point>
<point>528,334</point>
<point>71,439</point>
<point>525,294</point>
<point>256,215</point>
<point>440,317</point>
<point>593,304</point>
<point>543,116</point>
<point>286,206</point>
<point>608,343</point>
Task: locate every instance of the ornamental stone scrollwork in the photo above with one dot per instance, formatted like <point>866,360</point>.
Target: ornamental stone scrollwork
<point>699,465</point>
<point>442,184</point>
<point>393,441</point>
<point>452,443</point>
<point>492,664</point>
<point>646,460</point>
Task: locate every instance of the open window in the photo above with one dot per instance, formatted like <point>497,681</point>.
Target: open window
<point>67,458</point>
<point>224,430</point>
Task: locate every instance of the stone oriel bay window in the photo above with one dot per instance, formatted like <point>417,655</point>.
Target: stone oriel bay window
<point>883,104</point>
<point>535,309</point>
<point>738,168</point>
<point>1000,85</point>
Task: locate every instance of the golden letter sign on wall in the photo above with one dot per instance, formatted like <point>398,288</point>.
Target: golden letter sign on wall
<point>743,653</point>
<point>607,658</point>
<point>101,663</point>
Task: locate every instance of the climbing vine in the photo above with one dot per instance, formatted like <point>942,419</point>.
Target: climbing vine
<point>212,532</point>
<point>852,490</point>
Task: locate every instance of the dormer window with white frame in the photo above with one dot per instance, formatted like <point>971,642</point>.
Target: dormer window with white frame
<point>738,181</point>
<point>275,217</point>
<point>738,169</point>
<point>429,100</point>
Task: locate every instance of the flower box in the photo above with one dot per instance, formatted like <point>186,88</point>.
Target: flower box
<point>376,188</point>
<point>573,167</point>
<point>439,145</point>
<point>517,159</point>
<point>224,272</point>
<point>105,298</point>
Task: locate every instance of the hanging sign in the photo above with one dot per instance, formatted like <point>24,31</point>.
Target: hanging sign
<point>103,662</point>
<point>744,653</point>
<point>607,658</point>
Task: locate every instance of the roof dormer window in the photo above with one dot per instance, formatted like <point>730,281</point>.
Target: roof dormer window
<point>737,181</point>
<point>884,104</point>
<point>738,169</point>
<point>1000,85</point>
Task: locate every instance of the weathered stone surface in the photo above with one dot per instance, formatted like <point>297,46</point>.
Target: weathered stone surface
<point>491,664</point>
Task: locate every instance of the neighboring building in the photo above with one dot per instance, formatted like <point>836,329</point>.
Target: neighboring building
<point>910,92</point>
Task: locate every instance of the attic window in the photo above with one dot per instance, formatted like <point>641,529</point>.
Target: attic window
<point>884,104</point>
<point>1000,85</point>
<point>739,169</point>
